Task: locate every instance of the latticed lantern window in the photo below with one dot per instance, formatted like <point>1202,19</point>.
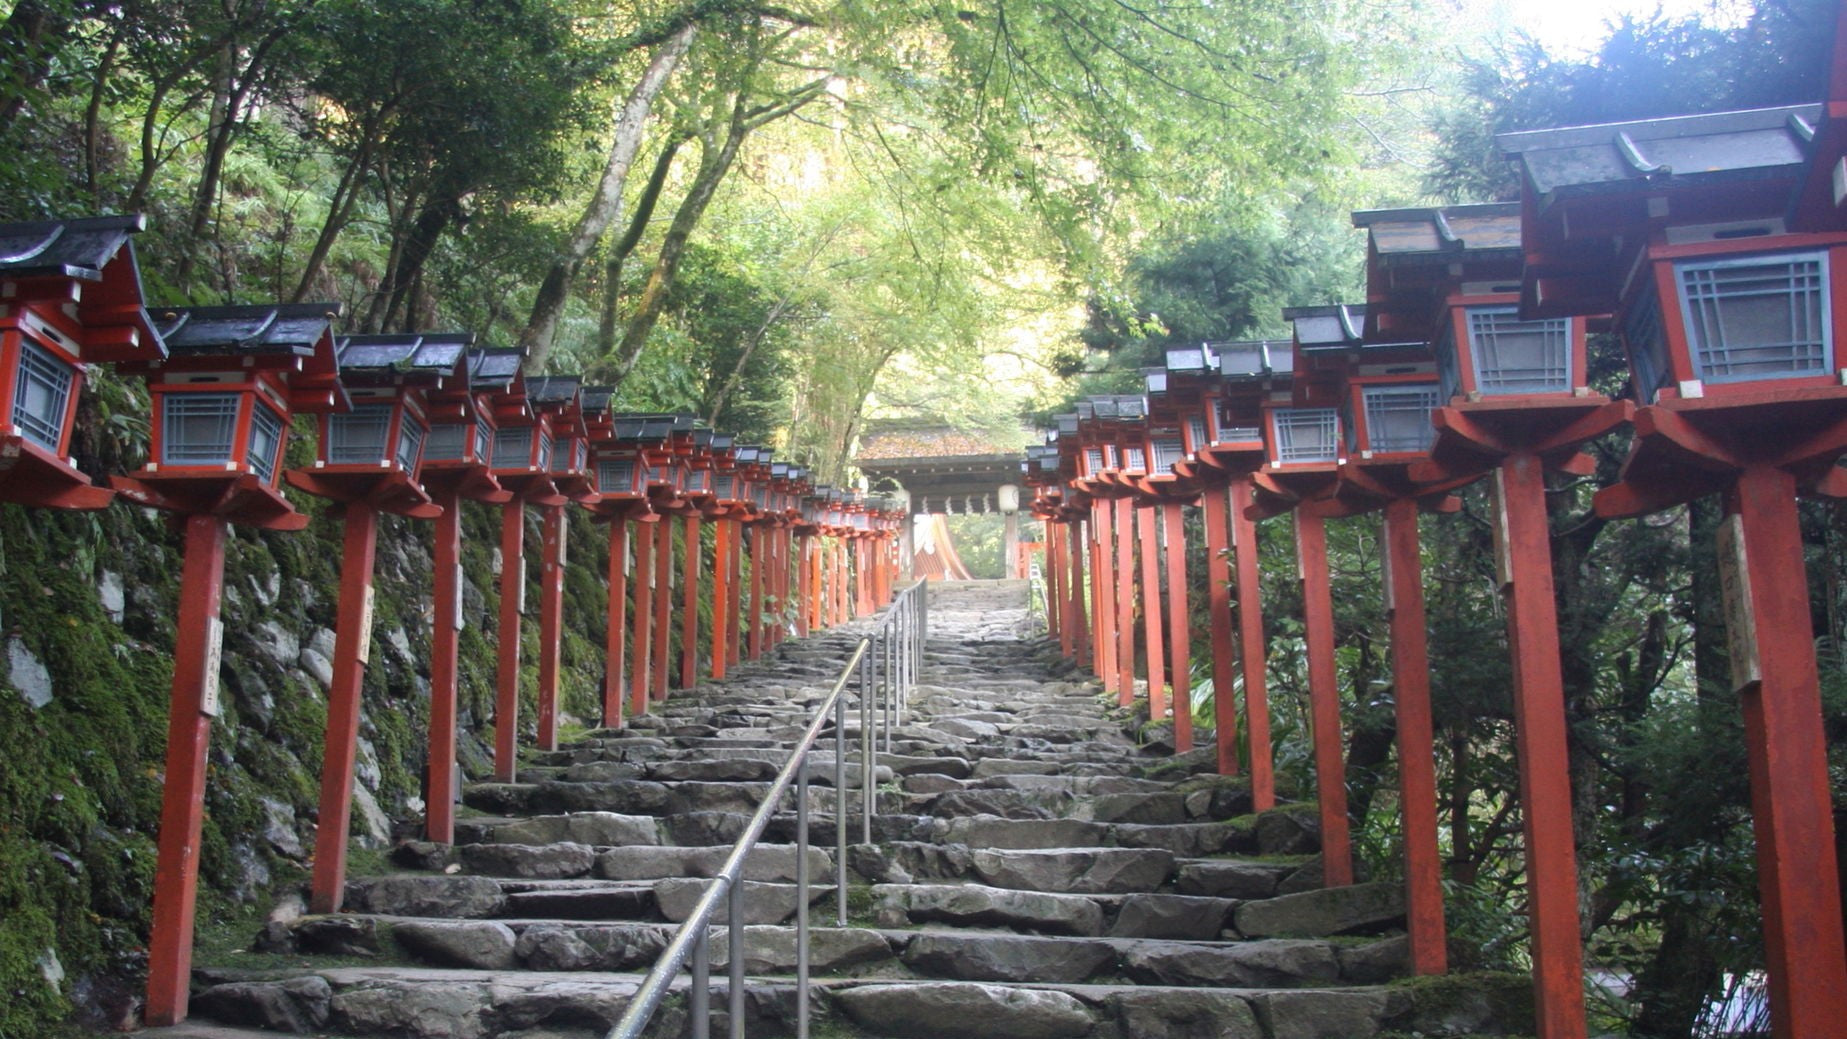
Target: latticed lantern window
<point>198,428</point>
<point>1305,435</point>
<point>616,475</point>
<point>1133,460</point>
<point>1398,417</point>
<point>42,395</point>
<point>513,448</point>
<point>1167,451</point>
<point>1647,342</point>
<point>265,447</point>
<point>1515,356</point>
<point>448,441</point>
<point>358,436</point>
<point>410,443</point>
<point>1759,317</point>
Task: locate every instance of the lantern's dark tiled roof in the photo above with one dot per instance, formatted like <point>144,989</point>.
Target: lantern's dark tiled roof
<point>723,441</point>
<point>78,248</point>
<point>296,329</point>
<point>596,399</point>
<point>394,357</point>
<point>553,390</point>
<point>1067,424</point>
<point>1194,358</point>
<point>1254,357</point>
<point>1438,234</point>
<point>495,369</point>
<point>1154,380</point>
<point>1743,145</point>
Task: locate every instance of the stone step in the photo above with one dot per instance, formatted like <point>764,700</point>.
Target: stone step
<point>434,1003</point>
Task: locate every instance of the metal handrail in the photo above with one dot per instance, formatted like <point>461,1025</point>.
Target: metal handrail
<point>887,661</point>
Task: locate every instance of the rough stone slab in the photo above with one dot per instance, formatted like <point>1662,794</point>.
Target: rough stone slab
<point>1375,962</point>
<point>529,861</point>
<point>1007,804</point>
<point>552,948</point>
<point>585,903</point>
<point>499,798</point>
<point>1167,1014</point>
<point>1164,809</point>
<point>718,770</point>
<point>1261,964</point>
<point>1230,878</point>
<point>948,1010</point>
<point>1079,871</point>
<point>771,950</point>
<point>626,796</point>
<point>1355,909</point>
<point>1288,831</point>
<point>927,765</point>
<point>770,862</point>
<point>444,896</point>
<point>1186,840</point>
<point>294,1005</point>
<point>431,1010</point>
<point>1321,1013</point>
<point>990,767</point>
<point>978,906</point>
<point>987,831</point>
<point>763,903</point>
<point>481,944</point>
<point>597,829</point>
<point>1172,917</point>
<point>1004,957</point>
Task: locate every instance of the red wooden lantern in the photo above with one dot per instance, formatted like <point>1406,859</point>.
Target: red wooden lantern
<point>455,466</point>
<point>559,398</point>
<point>70,296</point>
<point>368,461</point>
<point>1729,301</point>
<point>222,403</point>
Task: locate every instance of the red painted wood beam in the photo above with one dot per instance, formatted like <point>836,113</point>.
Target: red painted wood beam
<point>641,659</point>
<point>689,603</point>
<point>1179,628</point>
<point>1054,590</point>
<point>616,640</point>
<point>721,594</point>
<point>551,620</point>
<point>663,604</point>
<point>1523,544</point>
<point>1251,649</point>
<point>1103,591</point>
<point>1417,781</point>
<point>1125,601</point>
<point>734,600</point>
<point>1075,621</point>
<point>352,647</point>
<point>445,644</point>
<point>1218,607</point>
<point>1148,534</point>
<point>1773,666</point>
<point>759,562</point>
<point>506,677</point>
<point>191,705</point>
<point>1311,547</point>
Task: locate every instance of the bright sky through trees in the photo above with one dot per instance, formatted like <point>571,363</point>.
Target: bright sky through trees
<point>1574,28</point>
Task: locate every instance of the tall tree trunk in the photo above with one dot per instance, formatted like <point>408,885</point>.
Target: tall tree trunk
<point>637,225</point>
<point>234,86</point>
<point>714,163</point>
<point>92,113</point>
<point>605,205</point>
<point>28,37</point>
<point>339,210</point>
<point>439,211</point>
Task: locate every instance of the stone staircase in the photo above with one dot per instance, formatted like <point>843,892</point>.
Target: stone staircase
<point>1036,875</point>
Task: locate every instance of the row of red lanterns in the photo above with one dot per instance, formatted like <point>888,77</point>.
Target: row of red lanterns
<point>1713,249</point>
<point>409,424</point>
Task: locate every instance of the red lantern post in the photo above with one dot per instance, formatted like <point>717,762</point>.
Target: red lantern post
<point>368,462</point>
<point>222,400</point>
<point>1733,307</point>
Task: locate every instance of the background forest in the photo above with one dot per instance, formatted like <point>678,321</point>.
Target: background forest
<point>791,218</point>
